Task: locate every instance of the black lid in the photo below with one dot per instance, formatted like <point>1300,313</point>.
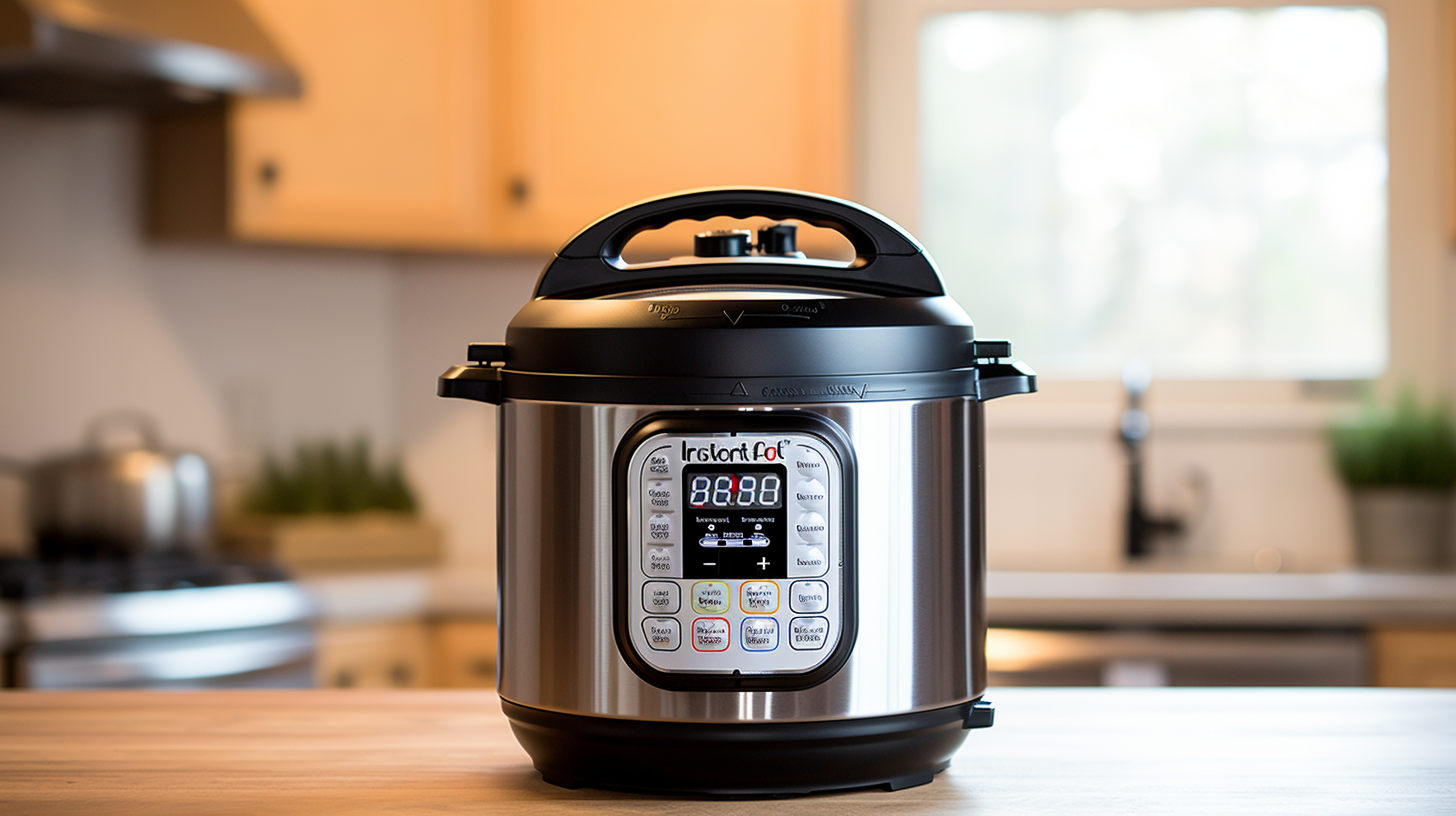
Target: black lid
<point>749,328</point>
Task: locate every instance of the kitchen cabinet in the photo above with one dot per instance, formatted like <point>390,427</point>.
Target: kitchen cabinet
<point>463,653</point>
<point>1413,656</point>
<point>603,104</point>
<point>508,124</point>
<point>391,654</point>
<point>387,146</point>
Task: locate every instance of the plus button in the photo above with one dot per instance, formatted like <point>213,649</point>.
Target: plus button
<point>763,563</point>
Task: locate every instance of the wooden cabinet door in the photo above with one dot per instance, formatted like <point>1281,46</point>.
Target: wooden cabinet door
<point>373,655</point>
<point>387,146</point>
<point>601,104</point>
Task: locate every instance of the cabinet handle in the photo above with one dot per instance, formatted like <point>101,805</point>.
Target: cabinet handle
<point>268,173</point>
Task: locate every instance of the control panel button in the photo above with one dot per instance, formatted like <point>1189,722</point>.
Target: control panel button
<point>808,561</point>
<point>660,496</point>
<point>665,598</point>
<point>759,597</point>
<point>810,466</point>
<point>760,634</point>
<point>658,464</point>
<point>811,495</point>
<point>710,634</point>
<point>661,530</point>
<point>710,597</point>
<point>663,634</point>
<point>660,561</point>
<point>811,528</point>
<point>808,596</point>
<point>806,634</point>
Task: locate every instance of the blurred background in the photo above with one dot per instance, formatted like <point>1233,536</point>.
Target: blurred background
<point>240,240</point>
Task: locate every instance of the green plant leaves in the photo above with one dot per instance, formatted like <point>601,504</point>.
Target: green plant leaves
<point>1411,445</point>
<point>327,477</point>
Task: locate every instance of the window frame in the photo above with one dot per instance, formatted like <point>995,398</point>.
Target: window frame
<point>1418,111</point>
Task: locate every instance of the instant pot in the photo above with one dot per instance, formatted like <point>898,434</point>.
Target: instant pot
<point>741,505</point>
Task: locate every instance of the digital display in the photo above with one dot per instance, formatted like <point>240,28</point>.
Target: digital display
<point>735,522</point>
<point>758,489</point>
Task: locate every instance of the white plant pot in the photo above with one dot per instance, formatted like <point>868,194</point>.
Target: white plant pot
<point>1401,528</point>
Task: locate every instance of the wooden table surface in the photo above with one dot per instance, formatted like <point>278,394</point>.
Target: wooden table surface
<point>1062,751</point>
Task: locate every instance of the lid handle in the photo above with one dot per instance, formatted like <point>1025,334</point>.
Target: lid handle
<point>590,263</point>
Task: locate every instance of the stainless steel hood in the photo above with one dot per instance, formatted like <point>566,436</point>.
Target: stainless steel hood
<point>74,53</point>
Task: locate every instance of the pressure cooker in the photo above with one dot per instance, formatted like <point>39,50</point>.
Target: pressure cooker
<point>741,508</point>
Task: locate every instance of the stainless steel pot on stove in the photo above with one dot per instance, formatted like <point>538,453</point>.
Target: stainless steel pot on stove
<point>121,494</point>
<point>741,508</point>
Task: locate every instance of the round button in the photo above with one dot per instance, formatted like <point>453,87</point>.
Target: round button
<point>660,561</point>
<point>811,466</point>
<point>659,496</point>
<point>808,561</point>
<point>811,495</point>
<point>811,528</point>
<point>658,464</point>
<point>661,530</point>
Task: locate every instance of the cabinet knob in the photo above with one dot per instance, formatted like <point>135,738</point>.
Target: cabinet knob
<point>344,679</point>
<point>520,190</point>
<point>400,674</point>
<point>268,173</point>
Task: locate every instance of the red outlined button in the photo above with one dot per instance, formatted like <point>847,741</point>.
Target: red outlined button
<point>711,634</point>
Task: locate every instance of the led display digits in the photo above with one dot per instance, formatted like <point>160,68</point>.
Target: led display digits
<point>746,490</point>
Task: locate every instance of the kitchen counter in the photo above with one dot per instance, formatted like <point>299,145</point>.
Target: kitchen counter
<point>1325,600</point>
<point>1325,751</point>
<point>1132,598</point>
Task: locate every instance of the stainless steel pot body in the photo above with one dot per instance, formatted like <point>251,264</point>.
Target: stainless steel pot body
<point>920,575</point>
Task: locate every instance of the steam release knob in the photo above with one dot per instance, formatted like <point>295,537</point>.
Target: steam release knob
<point>722,243</point>
<point>778,239</point>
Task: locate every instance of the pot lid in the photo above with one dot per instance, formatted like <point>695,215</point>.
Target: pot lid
<point>737,307</point>
<point>742,312</point>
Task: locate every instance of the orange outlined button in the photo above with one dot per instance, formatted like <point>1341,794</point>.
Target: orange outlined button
<point>759,597</point>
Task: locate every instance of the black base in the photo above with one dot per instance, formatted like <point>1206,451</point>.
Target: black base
<point>743,759</point>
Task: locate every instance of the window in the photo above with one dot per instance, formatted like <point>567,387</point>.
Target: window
<point>1203,188</point>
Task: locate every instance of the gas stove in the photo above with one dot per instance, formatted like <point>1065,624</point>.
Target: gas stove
<point>175,621</point>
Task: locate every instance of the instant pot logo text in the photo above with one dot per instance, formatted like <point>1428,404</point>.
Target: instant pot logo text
<point>742,452</point>
<point>845,390</point>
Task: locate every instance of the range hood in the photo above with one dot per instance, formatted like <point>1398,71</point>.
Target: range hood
<point>75,53</point>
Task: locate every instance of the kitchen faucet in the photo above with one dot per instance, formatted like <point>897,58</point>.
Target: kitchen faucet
<point>1142,525</point>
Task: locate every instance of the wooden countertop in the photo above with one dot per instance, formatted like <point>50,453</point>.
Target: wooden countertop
<point>1086,751</point>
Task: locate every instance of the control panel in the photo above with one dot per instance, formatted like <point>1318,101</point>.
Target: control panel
<point>735,551</point>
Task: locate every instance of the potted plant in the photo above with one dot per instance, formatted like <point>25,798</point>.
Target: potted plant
<point>332,507</point>
<point>1400,466</point>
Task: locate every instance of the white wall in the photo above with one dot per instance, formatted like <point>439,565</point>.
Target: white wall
<point>232,349</point>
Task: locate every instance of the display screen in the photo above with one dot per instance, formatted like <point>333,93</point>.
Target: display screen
<point>759,489</point>
<point>735,522</point>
